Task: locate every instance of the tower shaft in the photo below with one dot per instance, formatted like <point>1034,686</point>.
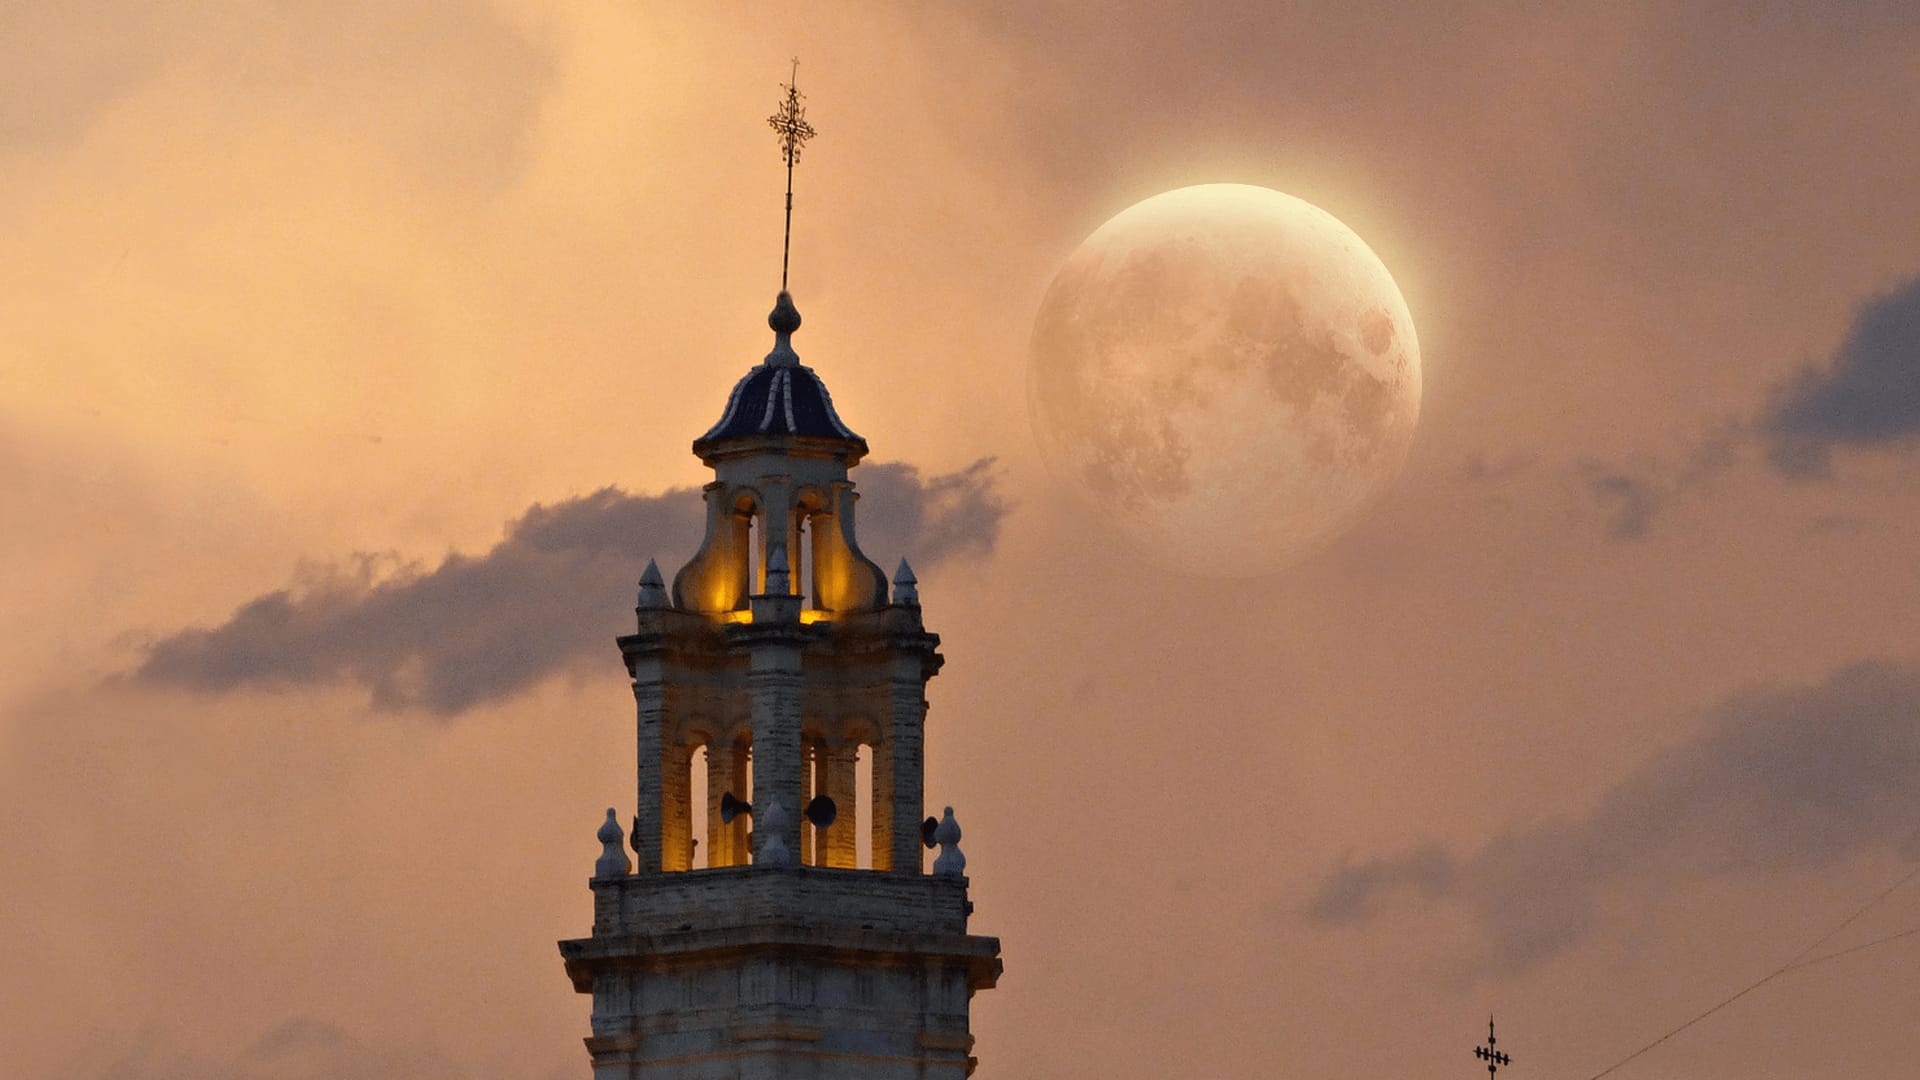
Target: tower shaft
<point>767,952</point>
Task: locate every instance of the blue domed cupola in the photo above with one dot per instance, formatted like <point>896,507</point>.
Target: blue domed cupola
<point>780,399</point>
<point>780,455</point>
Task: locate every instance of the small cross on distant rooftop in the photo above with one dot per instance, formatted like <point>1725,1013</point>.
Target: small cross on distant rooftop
<point>1494,1058</point>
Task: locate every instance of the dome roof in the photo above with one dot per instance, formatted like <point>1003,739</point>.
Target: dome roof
<point>783,400</point>
<point>781,396</point>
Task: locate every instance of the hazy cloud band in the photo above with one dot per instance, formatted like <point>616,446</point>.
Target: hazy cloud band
<point>548,597</point>
<point>1866,397</point>
<point>1779,779</point>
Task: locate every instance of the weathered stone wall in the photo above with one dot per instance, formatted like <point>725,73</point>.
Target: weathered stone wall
<point>745,895</point>
<point>790,973</point>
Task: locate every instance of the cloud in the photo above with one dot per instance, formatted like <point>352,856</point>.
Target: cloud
<point>1348,895</point>
<point>1779,779</point>
<point>952,515</point>
<point>1629,499</point>
<point>1634,497</point>
<point>1866,397</point>
<point>548,598</point>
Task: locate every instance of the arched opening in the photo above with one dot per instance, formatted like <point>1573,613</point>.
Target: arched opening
<point>729,771</point>
<point>701,762</point>
<point>806,517</point>
<point>747,544</point>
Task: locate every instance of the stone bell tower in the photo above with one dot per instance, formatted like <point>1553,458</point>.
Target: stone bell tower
<point>777,659</point>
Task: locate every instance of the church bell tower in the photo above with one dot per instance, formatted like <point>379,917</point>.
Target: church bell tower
<point>763,949</point>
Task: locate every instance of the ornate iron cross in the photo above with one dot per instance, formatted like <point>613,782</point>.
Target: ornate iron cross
<point>1494,1058</point>
<point>789,122</point>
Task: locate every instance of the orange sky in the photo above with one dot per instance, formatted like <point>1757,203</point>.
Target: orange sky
<point>1571,728</point>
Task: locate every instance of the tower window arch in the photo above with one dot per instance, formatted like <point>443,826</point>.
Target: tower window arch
<point>749,543</point>
<point>803,553</point>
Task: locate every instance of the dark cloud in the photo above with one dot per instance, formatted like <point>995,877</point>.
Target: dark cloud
<point>1350,893</point>
<point>1866,396</point>
<point>547,598</point>
<point>1633,497</point>
<point>1778,779</point>
<point>1629,499</point>
<point>929,520</point>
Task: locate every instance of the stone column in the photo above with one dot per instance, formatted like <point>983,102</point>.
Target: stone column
<point>773,696</point>
<point>809,755</point>
<point>797,568</point>
<point>882,845</point>
<point>838,764</point>
<point>676,808</point>
<point>907,708</point>
<point>650,698</point>
<point>737,782</point>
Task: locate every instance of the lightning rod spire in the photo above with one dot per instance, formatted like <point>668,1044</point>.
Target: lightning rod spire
<point>789,122</point>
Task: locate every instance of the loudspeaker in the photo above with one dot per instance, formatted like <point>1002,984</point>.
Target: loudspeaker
<point>731,808</point>
<point>926,831</point>
<point>821,811</point>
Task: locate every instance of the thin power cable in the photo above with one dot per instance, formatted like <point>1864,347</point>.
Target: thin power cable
<point>1799,960</point>
<point>1856,948</point>
<point>1849,920</point>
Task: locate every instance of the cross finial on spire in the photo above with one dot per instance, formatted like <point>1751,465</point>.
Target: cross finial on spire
<point>1489,1054</point>
<point>789,122</point>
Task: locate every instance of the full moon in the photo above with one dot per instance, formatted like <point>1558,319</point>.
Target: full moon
<point>1229,374</point>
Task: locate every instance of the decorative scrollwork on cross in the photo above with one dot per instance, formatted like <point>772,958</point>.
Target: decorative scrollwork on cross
<point>789,122</point>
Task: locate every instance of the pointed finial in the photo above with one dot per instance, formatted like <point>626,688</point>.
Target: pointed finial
<point>613,861</point>
<point>779,579</point>
<point>653,588</point>
<point>784,319</point>
<point>905,594</point>
<point>790,123</point>
<point>774,850</point>
<point>950,863</point>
